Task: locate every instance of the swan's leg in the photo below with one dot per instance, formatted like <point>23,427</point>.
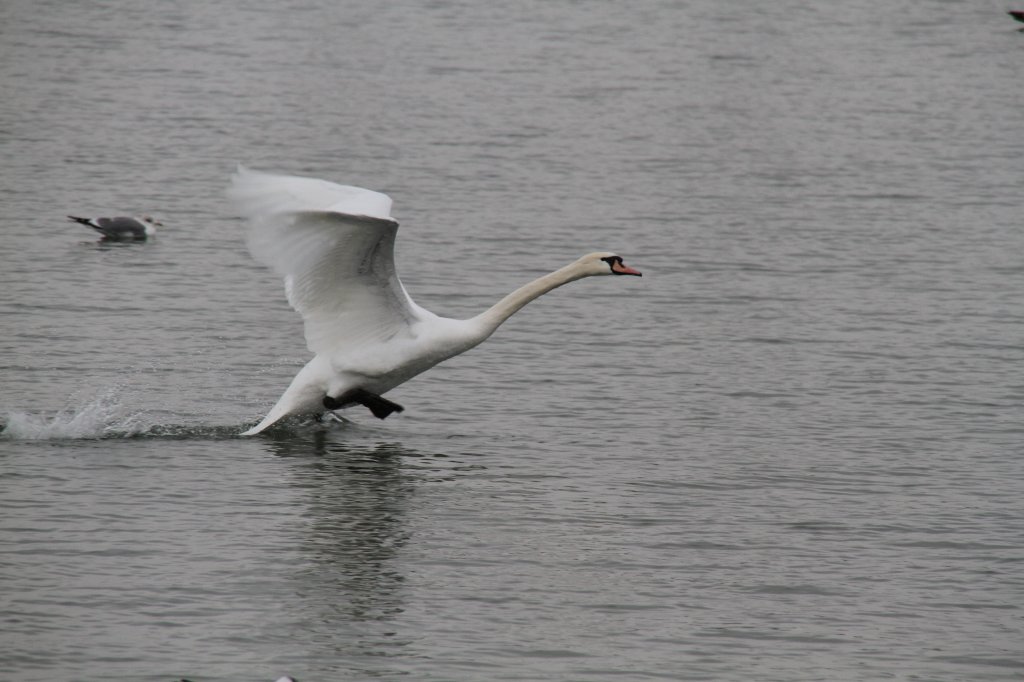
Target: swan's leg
<point>380,407</point>
<point>334,403</point>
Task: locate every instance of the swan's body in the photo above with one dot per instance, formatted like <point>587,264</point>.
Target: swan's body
<point>121,228</point>
<point>334,245</point>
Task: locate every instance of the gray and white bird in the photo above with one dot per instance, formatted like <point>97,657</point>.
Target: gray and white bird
<point>121,228</point>
<point>280,679</point>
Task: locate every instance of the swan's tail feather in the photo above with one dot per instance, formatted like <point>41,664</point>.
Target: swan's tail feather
<point>302,397</point>
<point>254,430</point>
<point>279,412</point>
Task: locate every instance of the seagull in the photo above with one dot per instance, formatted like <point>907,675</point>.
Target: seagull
<point>121,228</point>
<point>280,679</point>
<point>334,246</point>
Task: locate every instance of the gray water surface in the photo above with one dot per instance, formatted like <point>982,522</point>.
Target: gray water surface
<point>791,451</point>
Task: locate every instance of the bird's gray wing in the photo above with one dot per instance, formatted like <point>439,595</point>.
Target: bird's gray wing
<point>120,226</point>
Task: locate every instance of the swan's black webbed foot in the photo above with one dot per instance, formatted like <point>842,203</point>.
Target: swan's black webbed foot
<point>332,403</point>
<point>380,407</point>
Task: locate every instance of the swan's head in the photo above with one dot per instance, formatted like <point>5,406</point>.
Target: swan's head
<point>605,263</point>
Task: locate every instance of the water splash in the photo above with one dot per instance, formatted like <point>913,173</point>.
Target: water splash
<point>112,413</point>
<point>85,425</point>
<point>101,417</point>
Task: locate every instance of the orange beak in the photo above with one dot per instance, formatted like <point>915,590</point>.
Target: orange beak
<point>620,269</point>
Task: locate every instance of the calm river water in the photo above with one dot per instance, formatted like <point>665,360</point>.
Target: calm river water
<point>794,450</point>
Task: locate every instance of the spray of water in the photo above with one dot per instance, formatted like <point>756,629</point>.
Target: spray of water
<point>102,416</point>
<point>113,412</point>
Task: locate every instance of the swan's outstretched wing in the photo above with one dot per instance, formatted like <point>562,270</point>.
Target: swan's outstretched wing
<point>334,245</point>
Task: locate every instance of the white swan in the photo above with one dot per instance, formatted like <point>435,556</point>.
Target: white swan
<point>334,245</point>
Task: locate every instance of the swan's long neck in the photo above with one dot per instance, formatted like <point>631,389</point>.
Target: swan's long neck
<point>492,318</point>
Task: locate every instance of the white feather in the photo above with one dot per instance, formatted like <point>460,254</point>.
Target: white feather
<point>337,261</point>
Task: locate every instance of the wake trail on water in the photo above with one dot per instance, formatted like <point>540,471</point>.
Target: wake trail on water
<point>105,415</point>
